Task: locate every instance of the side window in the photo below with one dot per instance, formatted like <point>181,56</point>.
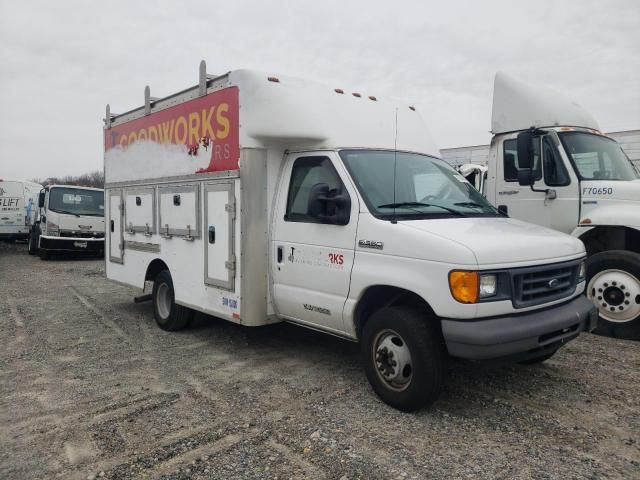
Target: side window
<point>555,173</point>
<point>307,173</point>
<point>510,160</point>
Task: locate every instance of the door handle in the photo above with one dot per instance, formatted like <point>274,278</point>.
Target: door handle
<point>280,254</point>
<point>212,234</point>
<point>112,226</point>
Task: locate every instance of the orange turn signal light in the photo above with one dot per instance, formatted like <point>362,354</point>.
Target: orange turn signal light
<point>464,285</point>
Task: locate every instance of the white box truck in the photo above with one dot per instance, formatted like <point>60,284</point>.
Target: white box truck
<point>261,199</point>
<point>549,164</point>
<point>18,205</point>
<point>70,220</point>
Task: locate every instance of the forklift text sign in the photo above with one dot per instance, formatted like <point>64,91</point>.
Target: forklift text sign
<point>206,126</point>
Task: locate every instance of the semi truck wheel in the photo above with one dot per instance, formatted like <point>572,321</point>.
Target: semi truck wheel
<point>613,284</point>
<point>168,315</point>
<point>404,358</point>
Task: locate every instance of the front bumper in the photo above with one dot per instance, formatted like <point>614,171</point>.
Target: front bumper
<point>521,336</point>
<point>70,244</point>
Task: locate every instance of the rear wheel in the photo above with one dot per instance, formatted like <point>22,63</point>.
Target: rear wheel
<point>613,284</point>
<point>168,315</point>
<point>404,358</point>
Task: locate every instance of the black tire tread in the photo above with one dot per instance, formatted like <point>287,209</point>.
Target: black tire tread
<point>180,316</point>
<point>427,350</point>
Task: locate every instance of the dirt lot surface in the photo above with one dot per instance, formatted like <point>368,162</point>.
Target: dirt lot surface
<point>91,388</point>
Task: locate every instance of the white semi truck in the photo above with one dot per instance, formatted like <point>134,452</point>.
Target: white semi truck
<point>70,220</point>
<point>549,164</point>
<point>18,206</point>
<point>260,199</point>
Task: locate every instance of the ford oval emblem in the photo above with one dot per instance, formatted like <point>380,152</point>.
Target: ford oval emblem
<point>553,283</point>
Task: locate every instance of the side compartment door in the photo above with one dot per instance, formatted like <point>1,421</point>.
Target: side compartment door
<point>116,214</point>
<point>219,251</point>
<point>313,256</point>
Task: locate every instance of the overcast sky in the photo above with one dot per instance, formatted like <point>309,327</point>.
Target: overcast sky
<point>62,61</point>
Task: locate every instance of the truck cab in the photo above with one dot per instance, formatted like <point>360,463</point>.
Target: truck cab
<point>549,164</point>
<point>70,219</point>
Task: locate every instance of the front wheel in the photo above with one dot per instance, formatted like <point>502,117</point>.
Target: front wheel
<point>404,357</point>
<point>613,284</point>
<point>168,315</point>
<point>32,242</point>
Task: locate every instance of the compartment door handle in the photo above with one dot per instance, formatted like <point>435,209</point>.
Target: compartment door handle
<point>212,234</point>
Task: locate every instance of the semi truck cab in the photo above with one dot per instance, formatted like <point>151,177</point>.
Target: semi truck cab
<point>70,219</point>
<point>549,164</point>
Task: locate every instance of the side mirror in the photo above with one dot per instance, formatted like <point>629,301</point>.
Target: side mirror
<point>525,149</point>
<point>328,206</point>
<point>41,199</point>
<point>525,177</point>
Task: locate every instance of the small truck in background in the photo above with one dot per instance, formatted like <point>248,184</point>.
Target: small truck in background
<point>70,220</point>
<point>549,164</point>
<point>259,199</point>
<point>18,206</point>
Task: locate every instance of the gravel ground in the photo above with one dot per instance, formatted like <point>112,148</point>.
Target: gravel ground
<point>91,388</point>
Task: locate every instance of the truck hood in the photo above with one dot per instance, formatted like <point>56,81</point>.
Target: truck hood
<point>611,203</point>
<point>497,242</point>
<point>71,222</point>
<point>604,190</point>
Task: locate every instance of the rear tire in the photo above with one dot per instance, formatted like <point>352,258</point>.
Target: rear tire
<point>613,284</point>
<point>404,357</point>
<point>43,254</point>
<point>168,315</point>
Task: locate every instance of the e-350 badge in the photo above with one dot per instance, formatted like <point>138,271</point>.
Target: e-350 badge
<point>371,244</point>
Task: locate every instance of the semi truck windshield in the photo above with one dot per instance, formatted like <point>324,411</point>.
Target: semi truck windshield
<point>597,157</point>
<point>410,186</point>
<point>77,201</point>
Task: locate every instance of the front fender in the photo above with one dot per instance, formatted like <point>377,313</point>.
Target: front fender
<point>618,214</point>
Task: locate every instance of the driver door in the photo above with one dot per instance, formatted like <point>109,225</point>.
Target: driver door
<point>311,259</point>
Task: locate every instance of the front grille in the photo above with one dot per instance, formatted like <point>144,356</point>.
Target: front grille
<point>538,285</point>
<point>81,234</point>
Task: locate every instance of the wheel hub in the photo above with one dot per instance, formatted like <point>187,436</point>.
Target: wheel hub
<point>616,293</point>
<point>392,359</point>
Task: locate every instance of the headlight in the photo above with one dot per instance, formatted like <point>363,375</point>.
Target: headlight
<point>582,273</point>
<point>52,229</point>
<point>464,286</point>
<point>469,287</point>
<point>488,285</point>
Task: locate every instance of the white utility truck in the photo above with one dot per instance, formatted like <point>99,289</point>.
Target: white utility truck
<point>70,220</point>
<point>18,201</point>
<point>549,164</point>
<point>261,199</point>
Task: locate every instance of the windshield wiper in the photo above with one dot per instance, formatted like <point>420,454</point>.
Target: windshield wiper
<point>469,204</point>
<point>65,211</point>
<point>420,204</point>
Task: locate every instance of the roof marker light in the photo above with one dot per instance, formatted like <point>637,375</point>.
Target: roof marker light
<point>338,90</point>
<point>371,97</point>
<point>356,94</point>
<point>273,79</point>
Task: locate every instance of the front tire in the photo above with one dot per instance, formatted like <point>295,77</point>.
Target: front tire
<point>168,315</point>
<point>613,284</point>
<point>32,242</point>
<point>404,357</point>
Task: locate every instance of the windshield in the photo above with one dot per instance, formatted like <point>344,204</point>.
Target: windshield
<point>597,157</point>
<point>425,187</point>
<point>76,201</point>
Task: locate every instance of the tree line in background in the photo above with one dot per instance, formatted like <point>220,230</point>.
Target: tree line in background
<point>93,179</point>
